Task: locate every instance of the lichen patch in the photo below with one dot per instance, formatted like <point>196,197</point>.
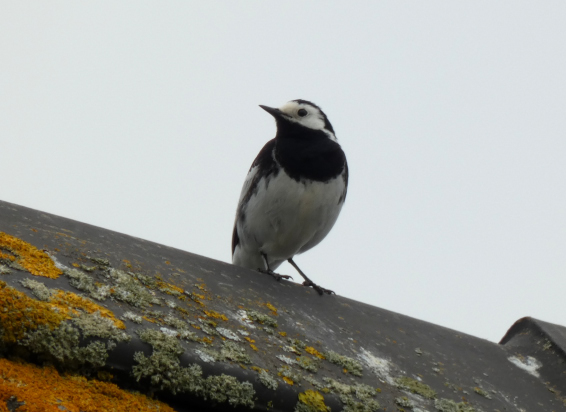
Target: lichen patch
<point>349,365</point>
<point>415,386</point>
<point>311,401</point>
<point>21,255</point>
<point>43,389</point>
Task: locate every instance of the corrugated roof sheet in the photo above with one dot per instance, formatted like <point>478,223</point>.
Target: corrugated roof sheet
<point>200,334</point>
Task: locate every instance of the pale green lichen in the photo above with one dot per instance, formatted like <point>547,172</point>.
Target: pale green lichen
<point>205,357</point>
<point>38,289</point>
<point>131,316</point>
<point>100,293</point>
<point>62,344</point>
<point>153,313</point>
<point>225,388</point>
<point>338,387</point>
<point>163,366</point>
<point>297,343</point>
<point>308,364</point>
<point>404,402</point>
<point>146,280</point>
<point>166,373</point>
<point>267,380</point>
<point>348,364</point>
<point>209,330</point>
<point>97,326</point>
<point>261,318</point>
<point>230,351</point>
<point>289,373</point>
<point>86,283</point>
<point>189,336</point>
<point>351,405</point>
<point>164,370</point>
<point>182,326</point>
<point>99,261</point>
<point>175,322</point>
<point>482,392</point>
<point>4,270</point>
<point>234,352</point>
<point>316,384</point>
<point>356,398</point>
<point>228,334</point>
<point>286,359</point>
<point>128,288</point>
<point>446,405</point>
<point>415,386</point>
<point>160,341</point>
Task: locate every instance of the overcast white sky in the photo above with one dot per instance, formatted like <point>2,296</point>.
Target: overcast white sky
<point>142,117</point>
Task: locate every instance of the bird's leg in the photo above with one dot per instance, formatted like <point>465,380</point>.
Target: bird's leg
<point>268,271</point>
<point>309,282</point>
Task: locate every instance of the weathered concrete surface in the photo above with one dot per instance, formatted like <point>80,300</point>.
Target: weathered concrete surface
<point>201,334</point>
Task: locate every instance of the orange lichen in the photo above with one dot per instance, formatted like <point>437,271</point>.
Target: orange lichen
<point>314,401</point>
<point>21,313</point>
<point>288,380</point>
<point>164,286</point>
<point>44,390</point>
<point>313,351</point>
<point>271,308</point>
<point>215,315</point>
<point>283,333</point>
<point>65,301</point>
<point>27,256</point>
<point>254,347</point>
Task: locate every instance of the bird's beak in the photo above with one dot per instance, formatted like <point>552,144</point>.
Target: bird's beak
<point>272,111</point>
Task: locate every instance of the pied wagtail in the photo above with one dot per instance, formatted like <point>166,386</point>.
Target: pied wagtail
<point>293,192</point>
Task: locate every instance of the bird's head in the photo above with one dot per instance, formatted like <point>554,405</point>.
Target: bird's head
<point>301,113</point>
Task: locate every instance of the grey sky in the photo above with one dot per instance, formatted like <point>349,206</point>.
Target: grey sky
<point>143,117</point>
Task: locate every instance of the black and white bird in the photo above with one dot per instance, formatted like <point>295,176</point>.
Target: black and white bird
<point>293,192</point>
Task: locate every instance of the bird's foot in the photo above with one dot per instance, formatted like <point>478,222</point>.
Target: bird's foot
<point>319,289</point>
<point>277,276</point>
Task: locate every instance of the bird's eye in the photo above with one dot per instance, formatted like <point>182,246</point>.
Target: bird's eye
<point>302,112</point>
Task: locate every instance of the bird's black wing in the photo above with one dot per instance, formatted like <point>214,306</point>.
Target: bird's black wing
<point>345,177</point>
<point>263,167</point>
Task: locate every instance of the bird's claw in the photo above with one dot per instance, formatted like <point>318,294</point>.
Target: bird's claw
<point>319,289</point>
<point>277,276</point>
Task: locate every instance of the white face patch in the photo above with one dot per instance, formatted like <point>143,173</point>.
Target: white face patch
<point>306,115</point>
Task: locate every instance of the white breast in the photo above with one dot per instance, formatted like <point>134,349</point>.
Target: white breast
<point>285,218</point>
